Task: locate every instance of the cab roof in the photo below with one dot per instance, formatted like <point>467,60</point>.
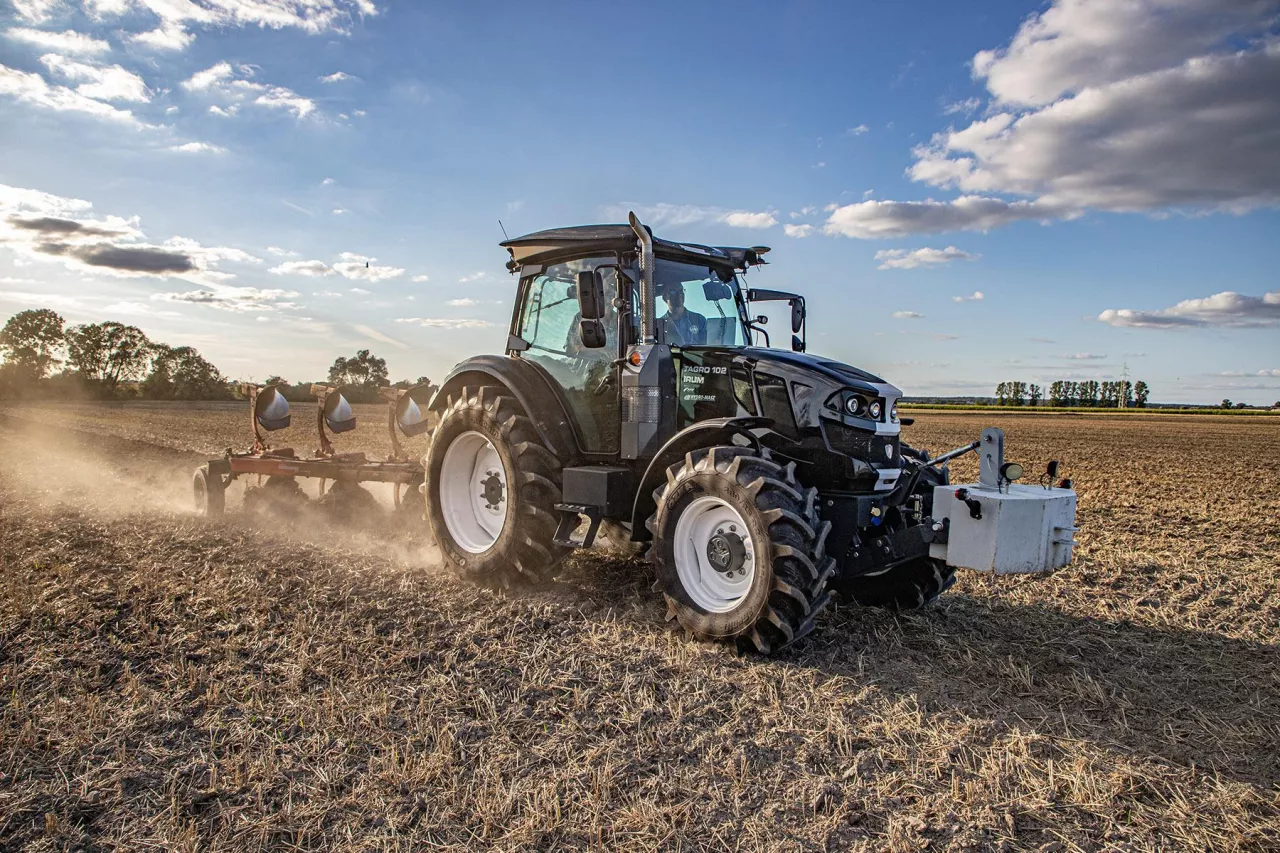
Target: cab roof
<point>583,240</point>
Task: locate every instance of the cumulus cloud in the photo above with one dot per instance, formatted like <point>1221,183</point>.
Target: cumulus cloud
<point>233,84</point>
<point>797,230</point>
<point>198,148</point>
<point>419,279</point>
<point>308,268</point>
<point>103,82</point>
<point>233,298</point>
<point>902,259</point>
<point>1227,310</point>
<point>363,268</point>
<point>965,107</point>
<point>1117,105</point>
<point>173,18</point>
<point>336,77</point>
<point>446,323</point>
<point>857,131</point>
<point>976,296</point>
<point>64,42</point>
<point>33,89</point>
<point>462,303</point>
<point>747,219</point>
<point>43,226</point>
<point>908,315</point>
<point>870,220</point>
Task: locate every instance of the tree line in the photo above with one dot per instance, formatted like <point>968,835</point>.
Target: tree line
<point>43,356</point>
<point>1121,394</point>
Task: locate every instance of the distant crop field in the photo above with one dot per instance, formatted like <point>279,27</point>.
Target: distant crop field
<point>176,683</point>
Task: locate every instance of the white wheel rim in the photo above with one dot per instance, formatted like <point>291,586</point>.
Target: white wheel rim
<point>473,492</point>
<point>705,519</point>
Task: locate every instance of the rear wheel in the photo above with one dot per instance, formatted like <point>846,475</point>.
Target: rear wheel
<point>492,487</point>
<point>209,492</point>
<point>739,549</point>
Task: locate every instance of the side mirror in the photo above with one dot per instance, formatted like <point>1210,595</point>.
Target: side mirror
<point>592,333</point>
<point>590,297</point>
<point>716,291</point>
<point>797,315</point>
<point>797,345</point>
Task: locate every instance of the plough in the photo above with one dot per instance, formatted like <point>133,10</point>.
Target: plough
<point>276,466</point>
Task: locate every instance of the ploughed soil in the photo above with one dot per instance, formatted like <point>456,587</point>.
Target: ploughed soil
<point>301,679</point>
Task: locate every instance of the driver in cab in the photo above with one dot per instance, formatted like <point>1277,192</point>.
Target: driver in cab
<point>682,326</point>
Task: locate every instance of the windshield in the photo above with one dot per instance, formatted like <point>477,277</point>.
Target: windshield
<point>695,306</point>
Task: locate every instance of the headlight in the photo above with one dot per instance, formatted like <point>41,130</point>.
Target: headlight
<point>853,405</point>
<point>893,413</point>
<point>874,410</point>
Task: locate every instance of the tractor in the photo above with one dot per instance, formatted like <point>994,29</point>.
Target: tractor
<point>758,480</point>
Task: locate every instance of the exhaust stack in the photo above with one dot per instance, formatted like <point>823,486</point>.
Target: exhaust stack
<point>647,306</point>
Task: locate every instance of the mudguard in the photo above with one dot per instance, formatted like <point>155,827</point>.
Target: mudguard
<point>701,434</point>
<point>532,389</point>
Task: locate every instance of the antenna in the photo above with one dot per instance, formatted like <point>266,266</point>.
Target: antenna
<point>504,231</point>
<point>1123,403</point>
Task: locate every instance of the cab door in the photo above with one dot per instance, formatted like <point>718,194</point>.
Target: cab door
<point>586,377</point>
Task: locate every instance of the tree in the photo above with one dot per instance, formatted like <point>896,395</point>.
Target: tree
<point>1141,391</point>
<point>1226,403</point>
<point>181,373</point>
<point>1001,391</point>
<point>1036,394</point>
<point>31,341</point>
<point>108,353</point>
<point>364,370</point>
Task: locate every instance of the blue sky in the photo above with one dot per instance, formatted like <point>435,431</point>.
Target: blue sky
<point>219,172</point>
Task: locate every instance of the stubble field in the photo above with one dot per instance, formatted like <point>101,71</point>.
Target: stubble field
<point>175,683</point>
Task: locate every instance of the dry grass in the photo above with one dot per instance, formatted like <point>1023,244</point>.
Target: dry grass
<point>173,683</point>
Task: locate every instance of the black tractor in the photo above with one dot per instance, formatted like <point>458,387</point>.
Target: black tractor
<point>633,391</point>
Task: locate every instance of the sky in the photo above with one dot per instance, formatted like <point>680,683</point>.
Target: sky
<point>965,193</point>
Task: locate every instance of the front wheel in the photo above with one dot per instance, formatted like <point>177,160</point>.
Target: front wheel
<point>492,487</point>
<point>739,549</point>
<point>209,492</point>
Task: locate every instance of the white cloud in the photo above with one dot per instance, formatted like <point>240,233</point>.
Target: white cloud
<point>1083,356</point>
<point>360,291</point>
<point>870,220</point>
<point>327,182</point>
<point>65,42</point>
<point>32,89</point>
<point>311,16</point>
<point>35,11</point>
<point>1227,309</point>
<point>908,315</point>
<point>747,219</point>
<point>797,230</point>
<point>233,298</point>
<point>967,106</point>
<point>363,268</point>
<point>44,300</point>
<point>462,303</point>
<point>336,77</point>
<point>857,131</point>
<point>102,82</point>
<point>198,148</point>
<point>338,211</point>
<point>419,279</point>
<point>473,277</point>
<point>901,259</point>
<point>281,253</point>
<point>169,36</point>
<point>375,335</point>
<point>446,323</point>
<point>234,84</point>
<point>307,268</point>
<point>977,296</point>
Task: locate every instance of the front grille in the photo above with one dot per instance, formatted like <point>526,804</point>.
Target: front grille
<point>641,405</point>
<point>862,445</point>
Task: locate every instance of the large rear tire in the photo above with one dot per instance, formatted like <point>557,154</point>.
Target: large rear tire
<point>492,487</point>
<point>739,549</point>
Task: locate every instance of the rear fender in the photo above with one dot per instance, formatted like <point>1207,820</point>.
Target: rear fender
<point>529,386</point>
<point>708,433</point>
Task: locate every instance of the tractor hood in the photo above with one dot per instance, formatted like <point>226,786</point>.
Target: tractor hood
<point>836,371</point>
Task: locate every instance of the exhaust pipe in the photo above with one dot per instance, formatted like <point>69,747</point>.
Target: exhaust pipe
<point>647,307</point>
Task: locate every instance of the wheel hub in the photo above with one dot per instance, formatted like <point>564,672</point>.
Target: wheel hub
<point>492,493</point>
<point>726,552</point>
